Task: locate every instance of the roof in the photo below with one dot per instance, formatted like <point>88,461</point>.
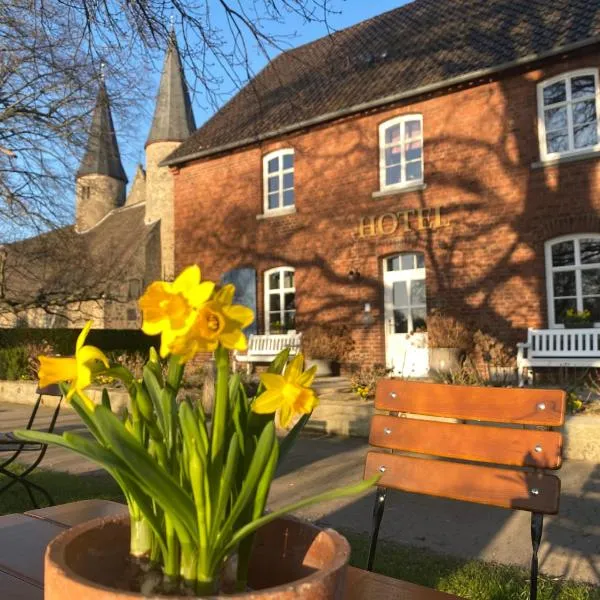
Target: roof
<point>62,265</point>
<point>173,119</point>
<point>419,46</point>
<point>102,155</point>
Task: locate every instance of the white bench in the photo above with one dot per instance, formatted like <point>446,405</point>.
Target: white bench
<point>264,348</point>
<point>558,348</point>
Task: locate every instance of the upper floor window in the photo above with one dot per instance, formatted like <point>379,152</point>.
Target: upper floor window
<point>573,276</point>
<point>401,152</point>
<point>280,300</point>
<point>278,180</point>
<point>568,113</point>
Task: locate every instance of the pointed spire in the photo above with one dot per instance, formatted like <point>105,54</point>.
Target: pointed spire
<point>102,155</point>
<point>173,117</point>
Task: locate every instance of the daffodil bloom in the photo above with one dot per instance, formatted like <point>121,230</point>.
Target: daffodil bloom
<point>218,321</point>
<point>79,370</point>
<point>289,393</point>
<point>170,309</point>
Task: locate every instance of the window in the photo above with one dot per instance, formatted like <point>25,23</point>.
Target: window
<point>280,300</point>
<point>278,180</point>
<point>401,152</point>
<point>567,114</point>
<point>573,276</point>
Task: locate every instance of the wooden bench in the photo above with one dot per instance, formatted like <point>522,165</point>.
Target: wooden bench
<point>557,348</point>
<point>443,458</point>
<point>264,348</point>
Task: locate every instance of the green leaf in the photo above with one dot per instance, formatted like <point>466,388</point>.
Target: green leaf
<point>154,389</point>
<point>106,399</point>
<point>264,485</point>
<point>288,441</point>
<point>227,480</point>
<point>191,432</point>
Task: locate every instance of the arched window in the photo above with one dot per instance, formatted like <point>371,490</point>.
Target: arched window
<point>278,180</point>
<point>280,300</point>
<point>568,108</point>
<point>401,152</point>
<point>573,276</point>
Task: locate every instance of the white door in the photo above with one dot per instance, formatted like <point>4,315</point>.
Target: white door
<point>405,311</point>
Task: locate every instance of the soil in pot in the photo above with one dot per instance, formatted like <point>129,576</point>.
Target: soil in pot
<point>291,560</point>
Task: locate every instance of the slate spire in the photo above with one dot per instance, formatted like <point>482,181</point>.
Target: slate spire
<point>173,119</point>
<point>102,155</point>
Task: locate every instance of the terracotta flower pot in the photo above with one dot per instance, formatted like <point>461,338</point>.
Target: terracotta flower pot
<point>291,560</point>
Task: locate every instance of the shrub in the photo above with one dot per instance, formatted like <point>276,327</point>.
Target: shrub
<point>329,342</point>
<point>467,374</point>
<point>493,351</point>
<point>446,331</point>
<point>364,379</point>
<point>21,362</point>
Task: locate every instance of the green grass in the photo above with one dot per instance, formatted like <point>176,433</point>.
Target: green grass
<point>470,579</point>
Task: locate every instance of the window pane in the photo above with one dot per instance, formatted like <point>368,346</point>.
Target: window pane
<point>288,198</point>
<point>413,171</point>
<point>275,320</point>
<point>412,129</point>
<point>555,93</point>
<point>273,200</point>
<point>420,261</point>
<point>590,251</point>
<point>288,161</point>
<point>555,118</point>
<point>417,292</point>
<point>274,281</point>
<point>408,262</point>
<point>563,254</point>
<point>412,151</point>
<point>557,141</point>
<point>401,321</point>
<point>273,184</point>
<point>393,264</point>
<point>400,293</point>
<point>564,284</point>
<point>593,305</point>
<point>585,136</point>
<point>392,156</point>
<point>419,323</point>
<point>289,320</point>
<point>273,165</point>
<point>274,302</point>
<point>584,112</point>
<point>288,181</point>
<point>392,134</point>
<point>561,307</point>
<point>392,175</point>
<point>288,279</point>
<point>590,282</point>
<point>289,301</point>
<point>582,86</point>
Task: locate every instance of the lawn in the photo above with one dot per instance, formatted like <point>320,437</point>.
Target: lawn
<point>466,578</point>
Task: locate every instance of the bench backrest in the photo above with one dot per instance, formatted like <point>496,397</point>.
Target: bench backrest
<point>550,343</point>
<point>448,444</point>
<point>272,344</point>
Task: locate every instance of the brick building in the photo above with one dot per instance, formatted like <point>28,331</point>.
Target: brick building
<point>409,163</point>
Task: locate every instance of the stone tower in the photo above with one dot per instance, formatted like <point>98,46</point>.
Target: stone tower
<point>172,123</point>
<point>101,179</point>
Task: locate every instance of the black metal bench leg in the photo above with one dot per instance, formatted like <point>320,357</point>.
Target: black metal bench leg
<point>537,524</point>
<point>378,509</point>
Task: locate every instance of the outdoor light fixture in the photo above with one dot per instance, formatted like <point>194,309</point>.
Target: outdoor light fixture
<point>367,316</point>
<point>353,275</point>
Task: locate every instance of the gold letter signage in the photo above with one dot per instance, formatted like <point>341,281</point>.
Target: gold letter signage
<point>399,222</point>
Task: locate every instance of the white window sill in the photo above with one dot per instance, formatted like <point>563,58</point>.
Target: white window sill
<point>567,158</point>
<point>277,212</point>
<point>413,187</point>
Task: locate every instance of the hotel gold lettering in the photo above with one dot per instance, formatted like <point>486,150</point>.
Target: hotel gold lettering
<point>390,223</point>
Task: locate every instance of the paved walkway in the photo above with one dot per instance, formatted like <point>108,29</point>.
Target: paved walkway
<point>571,541</point>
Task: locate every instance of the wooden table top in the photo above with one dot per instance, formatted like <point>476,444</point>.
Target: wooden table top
<point>24,537</point>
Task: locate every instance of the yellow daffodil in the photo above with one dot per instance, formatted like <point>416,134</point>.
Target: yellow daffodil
<point>170,309</point>
<point>218,321</point>
<point>289,393</point>
<point>78,370</point>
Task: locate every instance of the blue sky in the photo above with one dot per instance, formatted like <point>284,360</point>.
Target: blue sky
<point>347,13</point>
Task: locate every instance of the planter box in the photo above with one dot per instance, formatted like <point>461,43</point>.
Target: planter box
<point>445,360</point>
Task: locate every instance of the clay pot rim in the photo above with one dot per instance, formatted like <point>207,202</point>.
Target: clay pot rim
<point>55,554</point>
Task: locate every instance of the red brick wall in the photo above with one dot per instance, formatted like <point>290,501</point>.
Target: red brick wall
<point>486,266</point>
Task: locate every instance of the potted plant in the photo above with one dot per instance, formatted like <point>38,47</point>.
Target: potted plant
<point>196,493</point>
<point>499,358</point>
<point>326,347</point>
<point>448,340</point>
<point>578,319</point>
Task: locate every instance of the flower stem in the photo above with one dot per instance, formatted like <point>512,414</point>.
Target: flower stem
<point>220,407</point>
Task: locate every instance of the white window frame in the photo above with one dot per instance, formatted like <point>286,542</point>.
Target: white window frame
<point>577,267</point>
<point>382,147</point>
<point>544,155</point>
<point>266,158</point>
<point>282,292</point>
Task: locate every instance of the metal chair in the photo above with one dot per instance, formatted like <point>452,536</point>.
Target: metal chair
<point>8,443</point>
<point>455,449</point>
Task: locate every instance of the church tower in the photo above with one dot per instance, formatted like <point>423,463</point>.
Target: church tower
<point>101,179</point>
<point>172,123</point>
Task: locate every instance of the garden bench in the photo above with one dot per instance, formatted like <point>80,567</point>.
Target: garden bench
<point>501,466</point>
<point>557,348</point>
<point>264,348</point>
